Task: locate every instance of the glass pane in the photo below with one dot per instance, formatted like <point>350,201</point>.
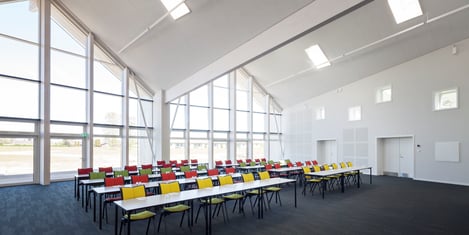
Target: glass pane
<point>180,119</point>
<point>221,98</point>
<point>177,134</point>
<point>141,91</point>
<point>19,98</point>
<point>258,102</point>
<point>107,109</point>
<point>107,78</point>
<point>242,82</point>
<point>242,100</point>
<point>198,118</point>
<point>17,127</point>
<point>138,133</point>
<point>68,104</point>
<point>25,16</point>
<point>19,59</point>
<point>258,120</point>
<point>135,114</point>
<point>177,149</point>
<point>221,119</point>
<point>275,123</point>
<point>241,150</point>
<point>64,34</point>
<point>220,135</point>
<point>242,121</point>
<point>66,156</point>
<point>107,152</point>
<point>199,150</point>
<point>199,97</point>
<point>103,131</point>
<point>220,151</point>
<point>66,129</point>
<point>448,99</point>
<point>221,81</point>
<point>68,69</point>
<point>199,135</point>
<point>139,151</point>
<point>258,149</point>
<point>16,159</point>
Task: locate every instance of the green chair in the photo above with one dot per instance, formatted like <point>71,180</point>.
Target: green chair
<point>122,173</point>
<point>95,176</point>
<point>252,163</point>
<point>164,170</point>
<point>242,164</point>
<point>271,162</point>
<point>201,167</point>
<point>145,171</point>
<point>185,168</point>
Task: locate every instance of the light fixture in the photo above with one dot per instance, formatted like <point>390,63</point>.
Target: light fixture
<point>404,10</point>
<point>317,56</point>
<point>177,8</point>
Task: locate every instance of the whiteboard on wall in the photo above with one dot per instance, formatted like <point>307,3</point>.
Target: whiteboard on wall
<point>447,151</point>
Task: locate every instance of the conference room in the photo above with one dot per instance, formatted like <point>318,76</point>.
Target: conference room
<point>257,117</point>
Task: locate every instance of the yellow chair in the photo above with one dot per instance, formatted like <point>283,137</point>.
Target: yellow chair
<point>238,198</point>
<point>173,187</point>
<point>131,193</point>
<point>324,180</point>
<point>219,203</point>
<point>353,173</point>
<point>333,179</point>
<point>309,180</point>
<point>249,177</point>
<point>273,190</point>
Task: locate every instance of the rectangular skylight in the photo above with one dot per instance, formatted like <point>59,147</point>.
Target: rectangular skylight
<point>318,58</point>
<point>404,10</point>
<point>176,12</point>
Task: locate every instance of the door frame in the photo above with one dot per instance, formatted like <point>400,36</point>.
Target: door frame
<point>379,155</point>
<point>322,140</point>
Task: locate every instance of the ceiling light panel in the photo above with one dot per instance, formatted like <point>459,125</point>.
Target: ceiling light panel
<point>404,10</point>
<point>177,10</point>
<point>317,56</point>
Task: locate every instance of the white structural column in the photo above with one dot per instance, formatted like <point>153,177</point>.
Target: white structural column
<point>125,117</point>
<point>232,94</point>
<point>88,135</point>
<point>44,147</point>
<point>161,133</point>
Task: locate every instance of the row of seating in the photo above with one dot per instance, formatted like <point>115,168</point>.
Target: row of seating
<point>332,180</point>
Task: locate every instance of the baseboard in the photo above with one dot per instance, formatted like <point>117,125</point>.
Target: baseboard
<point>442,181</point>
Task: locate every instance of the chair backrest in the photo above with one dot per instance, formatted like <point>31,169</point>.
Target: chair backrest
<point>315,162</point>
<point>248,160</point>
<point>173,162</point>
<point>326,166</point>
<point>201,167</point>
<point>277,166</point>
<point>228,162</point>
<point>121,173</point>
<point>342,165</point>
<point>290,164</point>
<point>308,163</point>
<point>204,183</point>
<point>349,164</point>
<point>85,171</point>
<point>252,163</point>
<point>306,169</point>
<point>147,171</point>
<point>225,179</point>
<point>97,175</point>
<point>131,168</point>
<point>263,160</point>
<point>133,192</point>
<point>139,179</point>
<point>190,174</point>
<point>287,161</point>
<point>268,166</point>
<point>105,169</point>
<point>230,170</point>
<point>257,160</point>
<point>194,161</point>
<point>334,166</point>
<point>271,162</point>
<point>166,170</point>
<point>262,163</point>
<point>299,164</point>
<point>160,163</point>
<point>263,175</point>
<point>168,176</point>
<point>248,177</point>
<point>185,162</point>
<point>108,182</point>
<point>316,168</point>
<point>179,165</point>
<point>217,163</point>
<point>211,172</point>
<point>239,161</point>
<point>147,166</point>
<point>172,187</point>
<point>185,168</point>
<point>167,165</point>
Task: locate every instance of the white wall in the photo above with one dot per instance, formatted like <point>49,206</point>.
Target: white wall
<point>410,113</point>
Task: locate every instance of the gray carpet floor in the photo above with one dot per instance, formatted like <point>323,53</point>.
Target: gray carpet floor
<point>388,206</point>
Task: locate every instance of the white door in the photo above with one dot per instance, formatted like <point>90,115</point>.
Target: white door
<point>398,158</point>
<point>327,151</point>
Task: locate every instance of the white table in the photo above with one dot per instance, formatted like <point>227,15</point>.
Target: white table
<point>189,195</point>
<point>250,168</point>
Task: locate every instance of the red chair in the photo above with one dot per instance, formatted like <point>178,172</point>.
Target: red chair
<point>173,162</point>
<point>218,163</point>
<point>147,166</point>
<point>290,164</point>
<point>315,162</point>
<point>185,162</point>
<point>179,164</point>
<point>85,171</point>
<point>131,168</point>
<point>257,160</point>
<point>308,163</point>
<point>228,162</point>
<point>105,169</point>
<point>277,166</point>
<point>211,172</point>
<point>239,161</point>
<point>109,198</point>
<point>299,164</point>
<point>168,176</point>
<point>194,161</point>
<point>160,163</point>
<point>248,161</point>
<point>167,165</point>
<point>263,160</point>
<point>230,170</point>
<point>138,179</point>
<point>190,174</point>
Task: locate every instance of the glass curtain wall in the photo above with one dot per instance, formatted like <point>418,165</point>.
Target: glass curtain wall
<point>227,118</point>
<point>20,97</point>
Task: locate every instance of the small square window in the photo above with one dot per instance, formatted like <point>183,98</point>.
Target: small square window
<point>355,113</point>
<point>447,99</point>
<point>320,113</point>
<point>384,94</point>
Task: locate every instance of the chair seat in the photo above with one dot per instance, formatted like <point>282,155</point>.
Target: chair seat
<point>273,189</point>
<point>214,201</point>
<point>255,192</point>
<point>141,215</point>
<point>313,181</point>
<point>234,196</point>
<point>177,208</point>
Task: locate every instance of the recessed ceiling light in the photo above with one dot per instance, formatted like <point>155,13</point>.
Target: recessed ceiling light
<point>404,10</point>
<point>177,11</point>
<point>318,58</point>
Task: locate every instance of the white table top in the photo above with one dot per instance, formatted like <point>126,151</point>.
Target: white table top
<point>338,171</point>
<point>287,169</point>
<point>162,199</point>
